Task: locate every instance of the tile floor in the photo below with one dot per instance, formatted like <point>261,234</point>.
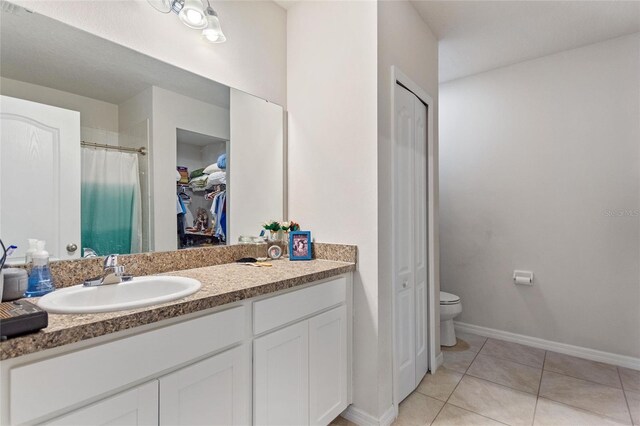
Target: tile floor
<point>492,382</point>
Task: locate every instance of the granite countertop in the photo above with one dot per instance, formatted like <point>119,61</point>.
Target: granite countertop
<point>221,284</point>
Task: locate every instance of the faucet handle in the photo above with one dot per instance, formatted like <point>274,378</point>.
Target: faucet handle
<point>111,261</point>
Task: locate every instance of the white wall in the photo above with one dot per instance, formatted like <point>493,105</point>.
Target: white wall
<point>253,59</point>
<point>404,40</point>
<point>196,157</point>
<point>255,167</point>
<point>332,164</point>
<point>134,122</point>
<point>533,157</point>
<point>94,114</point>
<point>172,111</point>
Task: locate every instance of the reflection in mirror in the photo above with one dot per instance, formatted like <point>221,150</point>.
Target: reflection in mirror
<point>106,150</point>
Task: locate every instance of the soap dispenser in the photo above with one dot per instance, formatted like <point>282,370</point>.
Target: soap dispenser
<point>28,256</point>
<point>40,280</point>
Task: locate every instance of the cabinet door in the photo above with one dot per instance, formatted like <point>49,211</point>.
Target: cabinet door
<point>281,377</point>
<point>138,406</point>
<point>215,391</point>
<point>327,366</point>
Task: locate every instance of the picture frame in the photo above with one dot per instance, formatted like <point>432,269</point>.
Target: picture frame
<point>300,245</point>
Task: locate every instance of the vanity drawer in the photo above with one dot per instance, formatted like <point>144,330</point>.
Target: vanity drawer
<point>35,389</point>
<point>279,310</point>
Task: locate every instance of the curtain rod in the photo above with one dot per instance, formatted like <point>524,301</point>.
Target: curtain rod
<point>142,150</point>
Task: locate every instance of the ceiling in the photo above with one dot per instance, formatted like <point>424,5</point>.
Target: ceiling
<point>40,50</point>
<point>477,36</point>
<point>197,139</point>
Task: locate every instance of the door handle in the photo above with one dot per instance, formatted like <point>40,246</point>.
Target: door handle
<point>405,284</point>
<point>71,247</point>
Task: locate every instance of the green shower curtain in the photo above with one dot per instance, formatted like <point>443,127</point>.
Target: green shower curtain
<point>110,199</point>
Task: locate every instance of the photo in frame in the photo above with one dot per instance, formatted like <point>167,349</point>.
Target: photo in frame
<point>300,245</point>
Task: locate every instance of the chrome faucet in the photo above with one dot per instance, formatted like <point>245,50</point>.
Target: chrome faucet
<point>113,273</point>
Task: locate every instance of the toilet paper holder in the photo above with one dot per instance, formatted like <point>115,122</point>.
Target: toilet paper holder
<point>523,277</point>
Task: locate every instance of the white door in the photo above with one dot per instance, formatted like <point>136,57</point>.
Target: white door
<point>40,176</point>
<point>138,406</point>
<point>281,377</point>
<point>215,391</point>
<point>410,242</point>
<point>420,261</point>
<point>327,366</point>
<point>255,164</point>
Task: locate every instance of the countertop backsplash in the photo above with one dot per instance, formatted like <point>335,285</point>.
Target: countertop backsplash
<point>72,272</point>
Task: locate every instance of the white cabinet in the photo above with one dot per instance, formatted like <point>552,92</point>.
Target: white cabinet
<point>137,406</point>
<point>328,372</point>
<point>215,391</point>
<point>301,373</point>
<point>278,360</point>
<point>281,377</point>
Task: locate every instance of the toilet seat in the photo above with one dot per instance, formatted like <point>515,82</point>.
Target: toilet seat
<point>448,298</point>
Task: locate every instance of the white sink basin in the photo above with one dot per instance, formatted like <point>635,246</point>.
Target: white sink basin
<point>139,292</point>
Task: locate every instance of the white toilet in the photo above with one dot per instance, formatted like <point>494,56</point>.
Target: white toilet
<point>450,307</point>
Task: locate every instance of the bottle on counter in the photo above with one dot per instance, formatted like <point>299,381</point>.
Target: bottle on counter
<point>40,279</point>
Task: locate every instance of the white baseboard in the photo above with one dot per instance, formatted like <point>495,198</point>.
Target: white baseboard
<point>359,417</point>
<point>388,417</point>
<point>362,418</point>
<point>578,351</point>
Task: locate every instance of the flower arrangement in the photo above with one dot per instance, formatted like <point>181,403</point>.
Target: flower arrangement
<point>272,225</point>
<point>275,226</point>
<point>290,226</point>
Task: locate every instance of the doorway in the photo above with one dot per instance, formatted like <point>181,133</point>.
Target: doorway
<point>413,245</point>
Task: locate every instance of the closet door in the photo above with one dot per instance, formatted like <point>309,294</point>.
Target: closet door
<point>403,243</point>
<point>420,237</point>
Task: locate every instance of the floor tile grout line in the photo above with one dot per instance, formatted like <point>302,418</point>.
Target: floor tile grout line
<point>477,414</point>
<point>439,411</point>
<point>582,378</point>
<point>469,375</point>
<point>624,388</point>
<point>512,360</point>
<point>535,408</point>
<point>538,396</point>
<point>585,380</point>
<point>501,384</point>
<point>552,371</point>
<point>582,408</point>
<point>593,413</point>
<point>544,361</point>
<point>625,395</point>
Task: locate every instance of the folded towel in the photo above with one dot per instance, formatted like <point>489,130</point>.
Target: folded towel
<point>196,173</point>
<point>199,183</point>
<point>217,178</point>
<point>212,168</point>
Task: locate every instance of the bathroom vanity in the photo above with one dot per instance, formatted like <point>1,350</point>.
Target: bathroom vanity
<point>266,346</point>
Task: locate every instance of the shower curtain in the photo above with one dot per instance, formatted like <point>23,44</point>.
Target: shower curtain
<point>111,212</point>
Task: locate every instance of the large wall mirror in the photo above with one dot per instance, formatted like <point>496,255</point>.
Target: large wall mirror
<point>105,150</point>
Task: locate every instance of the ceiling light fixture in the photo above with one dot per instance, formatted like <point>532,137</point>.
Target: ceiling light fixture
<point>194,15</point>
<point>213,32</point>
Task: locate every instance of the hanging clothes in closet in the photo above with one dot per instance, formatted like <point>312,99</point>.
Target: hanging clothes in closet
<point>219,212</point>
